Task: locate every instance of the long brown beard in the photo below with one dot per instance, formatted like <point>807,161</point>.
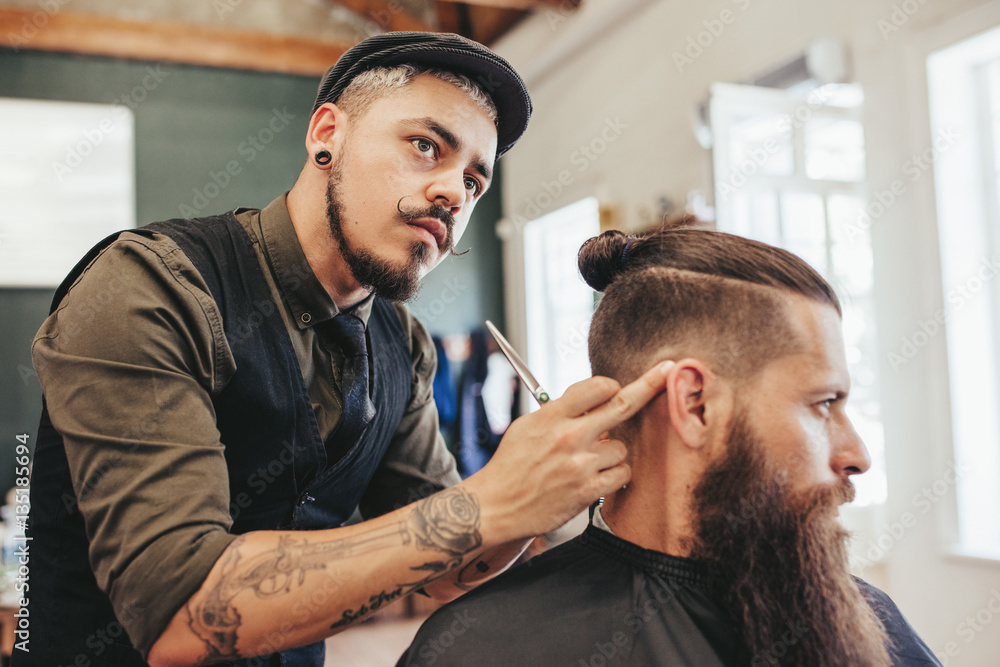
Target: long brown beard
<point>783,563</point>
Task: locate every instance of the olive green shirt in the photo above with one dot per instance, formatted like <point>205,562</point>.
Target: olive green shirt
<point>129,363</point>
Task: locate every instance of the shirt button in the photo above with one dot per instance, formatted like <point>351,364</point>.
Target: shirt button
<point>306,318</point>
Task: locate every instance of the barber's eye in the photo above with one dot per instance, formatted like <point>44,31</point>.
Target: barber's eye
<point>473,185</point>
<point>424,145</point>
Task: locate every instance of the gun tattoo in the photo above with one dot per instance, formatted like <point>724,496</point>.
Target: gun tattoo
<point>446,523</point>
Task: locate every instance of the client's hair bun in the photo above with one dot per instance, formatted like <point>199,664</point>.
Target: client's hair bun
<point>600,258</point>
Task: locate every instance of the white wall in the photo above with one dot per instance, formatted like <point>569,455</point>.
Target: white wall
<point>624,82</point>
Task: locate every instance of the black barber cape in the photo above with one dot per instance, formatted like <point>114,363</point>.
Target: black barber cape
<point>599,601</point>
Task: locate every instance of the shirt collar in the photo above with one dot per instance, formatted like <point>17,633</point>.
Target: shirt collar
<point>599,521</point>
<point>306,297</point>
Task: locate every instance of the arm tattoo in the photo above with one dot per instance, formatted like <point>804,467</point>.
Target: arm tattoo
<point>215,620</point>
<point>446,523</point>
<point>468,578</point>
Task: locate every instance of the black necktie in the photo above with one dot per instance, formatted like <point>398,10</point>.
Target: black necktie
<point>348,332</point>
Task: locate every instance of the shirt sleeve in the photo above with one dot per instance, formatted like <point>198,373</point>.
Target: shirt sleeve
<point>417,462</point>
<point>128,364</point>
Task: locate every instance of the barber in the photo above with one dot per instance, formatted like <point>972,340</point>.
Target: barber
<point>222,393</point>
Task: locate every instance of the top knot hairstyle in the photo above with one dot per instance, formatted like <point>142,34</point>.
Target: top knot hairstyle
<point>688,291</point>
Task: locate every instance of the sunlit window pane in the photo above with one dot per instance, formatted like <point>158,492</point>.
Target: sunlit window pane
<point>762,144</point>
<point>66,181</point>
<point>804,225</point>
<point>755,216</point>
<point>964,91</point>
<point>835,149</point>
<point>851,247</point>
<point>559,304</point>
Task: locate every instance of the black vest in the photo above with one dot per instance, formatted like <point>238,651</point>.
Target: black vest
<point>279,476</point>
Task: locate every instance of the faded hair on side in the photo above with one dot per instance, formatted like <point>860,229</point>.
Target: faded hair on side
<point>697,292</point>
<point>375,83</point>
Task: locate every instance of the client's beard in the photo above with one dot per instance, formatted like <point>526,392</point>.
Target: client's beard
<point>393,282</point>
<point>783,562</point>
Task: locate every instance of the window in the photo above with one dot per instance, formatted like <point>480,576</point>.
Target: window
<point>67,179</point>
<point>559,304</point>
<point>790,171</point>
<point>964,88</point>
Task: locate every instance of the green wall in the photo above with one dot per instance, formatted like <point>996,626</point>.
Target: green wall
<point>192,123</point>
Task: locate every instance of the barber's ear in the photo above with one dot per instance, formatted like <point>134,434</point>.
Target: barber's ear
<point>693,414</point>
<point>326,127</point>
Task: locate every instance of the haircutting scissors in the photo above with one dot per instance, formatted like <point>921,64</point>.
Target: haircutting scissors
<point>519,366</point>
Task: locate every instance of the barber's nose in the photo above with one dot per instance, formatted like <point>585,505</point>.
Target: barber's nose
<point>849,456</point>
<point>448,190</point>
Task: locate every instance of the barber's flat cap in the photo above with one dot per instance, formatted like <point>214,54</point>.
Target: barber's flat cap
<point>445,51</point>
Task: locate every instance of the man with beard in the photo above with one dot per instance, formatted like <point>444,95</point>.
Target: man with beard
<point>222,393</point>
<point>724,547</point>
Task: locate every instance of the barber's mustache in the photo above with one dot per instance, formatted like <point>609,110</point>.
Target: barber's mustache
<point>410,214</point>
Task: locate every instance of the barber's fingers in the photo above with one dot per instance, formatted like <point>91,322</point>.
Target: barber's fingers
<point>611,479</point>
<point>629,399</point>
<point>608,453</point>
<point>583,396</point>
<point>589,394</point>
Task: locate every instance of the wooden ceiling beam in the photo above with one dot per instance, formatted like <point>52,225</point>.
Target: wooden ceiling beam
<point>449,16</point>
<point>91,34</point>
<point>491,23</point>
<point>388,14</point>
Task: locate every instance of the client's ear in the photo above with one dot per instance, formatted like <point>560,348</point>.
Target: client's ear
<point>695,414</point>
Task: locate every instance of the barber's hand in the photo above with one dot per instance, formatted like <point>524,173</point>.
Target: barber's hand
<point>553,463</point>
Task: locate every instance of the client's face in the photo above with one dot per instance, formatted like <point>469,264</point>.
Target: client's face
<point>797,404</point>
<point>765,512</point>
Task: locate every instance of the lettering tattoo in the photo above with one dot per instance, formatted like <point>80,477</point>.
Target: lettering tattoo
<point>446,523</point>
<point>374,602</point>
